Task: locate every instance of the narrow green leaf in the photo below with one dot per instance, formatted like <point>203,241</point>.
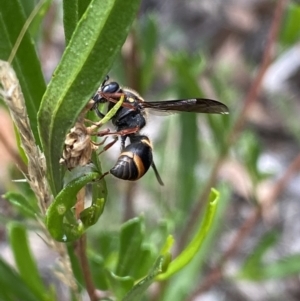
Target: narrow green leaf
<point>187,67</point>
<point>21,203</point>
<point>61,221</point>
<point>5,296</point>
<point>187,86</point>
<point>160,266</point>
<point>36,24</point>
<point>28,6</point>
<point>255,269</point>
<point>73,11</point>
<point>282,268</point>
<point>189,150</point>
<point>219,127</point>
<point>149,40</point>
<point>71,17</point>
<point>285,267</point>
<point>25,261</point>
<point>119,285</point>
<point>168,244</point>
<point>95,43</point>
<point>184,282</point>
<point>254,262</point>
<point>76,268</point>
<point>82,6</point>
<point>108,245</point>
<point>131,238</point>
<point>143,262</point>
<point>290,31</point>
<point>191,250</point>
<point>90,215</point>
<point>251,152</point>
<point>99,271</point>
<point>25,63</point>
<point>14,285</point>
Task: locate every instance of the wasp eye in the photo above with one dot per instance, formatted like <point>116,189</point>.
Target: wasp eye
<point>111,88</point>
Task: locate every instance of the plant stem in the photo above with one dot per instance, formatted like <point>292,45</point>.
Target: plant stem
<point>90,287</point>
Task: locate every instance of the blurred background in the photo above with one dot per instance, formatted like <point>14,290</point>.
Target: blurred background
<point>245,54</point>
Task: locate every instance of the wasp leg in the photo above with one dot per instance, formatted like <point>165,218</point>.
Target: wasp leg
<point>109,145</point>
<point>103,175</point>
<point>157,174</point>
<point>96,109</point>
<point>99,143</point>
<point>125,132</point>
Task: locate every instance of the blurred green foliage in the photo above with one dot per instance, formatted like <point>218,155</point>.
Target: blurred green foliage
<point>126,258</point>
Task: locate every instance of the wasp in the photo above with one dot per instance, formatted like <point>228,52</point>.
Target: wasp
<point>136,158</point>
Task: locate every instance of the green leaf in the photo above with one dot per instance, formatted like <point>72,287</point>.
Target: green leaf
<point>119,285</point>
<point>99,271</point>
<point>192,249</point>
<point>187,86</point>
<point>25,63</point>
<point>256,269</point>
<point>290,32</point>
<point>178,288</point>
<point>189,150</point>
<point>160,266</point>
<point>148,44</point>
<point>254,261</point>
<point>219,127</point>
<point>87,59</point>
<point>25,261</point>
<point>187,68</point>
<point>251,151</point>
<point>73,11</point>
<point>60,219</point>
<point>282,268</point>
<point>71,17</point>
<point>90,215</point>
<point>143,262</point>
<point>36,24</point>
<point>35,10</point>
<point>131,238</point>
<point>108,245</point>
<point>168,244</point>
<point>21,203</point>
<point>13,285</point>
<point>28,6</point>
<point>76,268</point>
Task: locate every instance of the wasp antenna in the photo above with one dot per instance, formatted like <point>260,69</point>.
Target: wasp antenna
<point>105,80</point>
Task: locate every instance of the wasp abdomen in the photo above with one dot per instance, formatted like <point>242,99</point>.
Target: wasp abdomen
<point>134,161</point>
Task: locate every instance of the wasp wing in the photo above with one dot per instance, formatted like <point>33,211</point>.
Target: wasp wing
<point>195,105</point>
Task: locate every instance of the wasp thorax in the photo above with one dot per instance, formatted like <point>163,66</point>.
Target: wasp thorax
<point>78,147</point>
